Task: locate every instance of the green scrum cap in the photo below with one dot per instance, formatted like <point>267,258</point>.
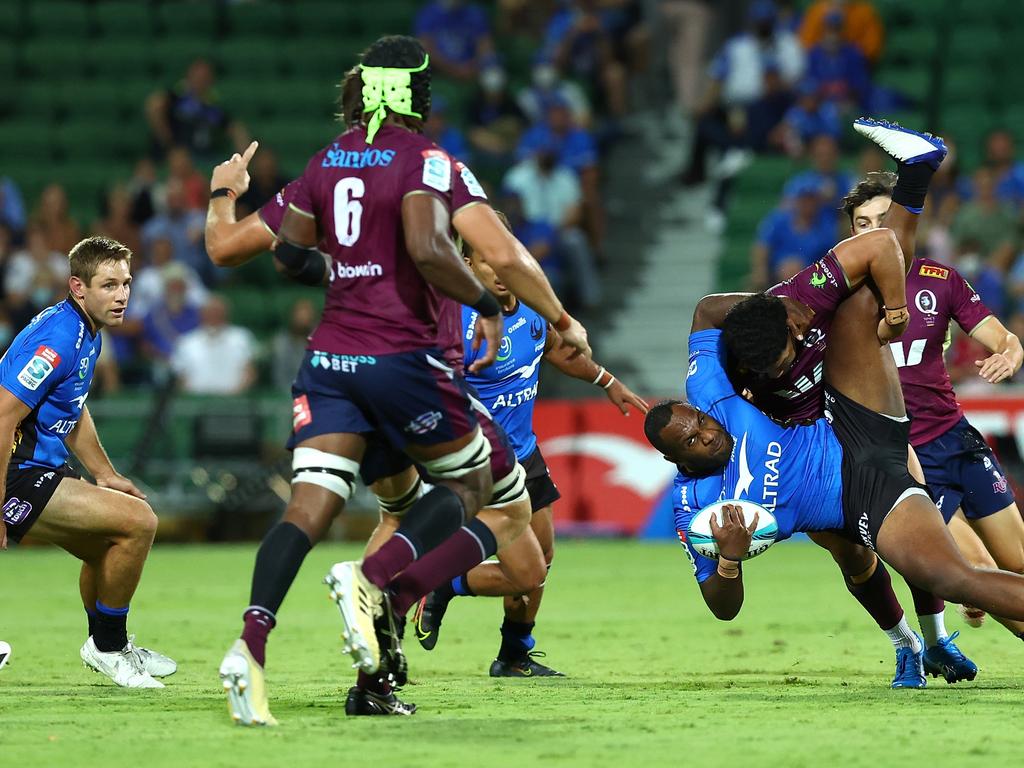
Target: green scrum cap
<point>387,88</point>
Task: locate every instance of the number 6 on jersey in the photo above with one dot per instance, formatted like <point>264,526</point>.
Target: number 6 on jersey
<point>348,211</point>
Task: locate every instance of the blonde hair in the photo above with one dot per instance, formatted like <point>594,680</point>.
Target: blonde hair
<point>86,257</point>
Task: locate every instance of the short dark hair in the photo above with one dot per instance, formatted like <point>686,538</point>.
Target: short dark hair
<point>875,184</point>
<point>87,255</point>
<point>755,332</point>
<point>350,100</point>
<point>656,420</point>
<point>403,52</point>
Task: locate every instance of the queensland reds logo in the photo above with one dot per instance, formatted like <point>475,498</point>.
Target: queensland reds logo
<point>925,302</point>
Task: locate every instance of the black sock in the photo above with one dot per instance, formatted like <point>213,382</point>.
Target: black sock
<point>91,615</point>
<point>432,519</point>
<point>516,640</point>
<point>281,554</point>
<point>110,628</point>
<point>912,186</point>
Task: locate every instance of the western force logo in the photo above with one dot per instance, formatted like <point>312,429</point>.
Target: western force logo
<point>424,423</point>
<point>505,350</point>
<point>927,270</point>
<point>42,364</point>
<point>536,330</point>
<point>83,367</point>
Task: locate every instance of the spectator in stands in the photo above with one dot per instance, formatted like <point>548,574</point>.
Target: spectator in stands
<point>1000,157</point>
<point>184,228</point>
<point>550,192</point>
<point>189,115</point>
<point>288,347</point>
<point>35,278</point>
<point>986,222</point>
<point>265,182</point>
<point>839,68</point>
<point>12,208</point>
<point>861,25</point>
<point>579,45</point>
<point>457,36</point>
<point>986,273</point>
<point>52,215</point>
<point>575,148</point>
<point>525,17</point>
<point>142,190</point>
<point>792,237</point>
<point>749,92</point>
<point>688,22</point>
<point>150,281</point>
<point>193,184</point>
<point>495,120</point>
<point>216,358</point>
<point>809,117</point>
<point>547,84</point>
<point>117,220</point>
<point>7,328</point>
<point>172,317</point>
<point>539,237</point>
<point>445,134</point>
<point>831,181</point>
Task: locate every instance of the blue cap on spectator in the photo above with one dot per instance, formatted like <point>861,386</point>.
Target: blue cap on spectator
<point>761,10</point>
<point>556,99</point>
<point>803,185</point>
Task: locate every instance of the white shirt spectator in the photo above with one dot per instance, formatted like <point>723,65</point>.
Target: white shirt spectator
<point>214,361</point>
<point>24,272</point>
<point>740,65</point>
<point>149,285</point>
<point>546,197</point>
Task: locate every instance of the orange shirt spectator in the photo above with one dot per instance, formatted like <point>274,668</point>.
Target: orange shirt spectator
<point>861,25</point>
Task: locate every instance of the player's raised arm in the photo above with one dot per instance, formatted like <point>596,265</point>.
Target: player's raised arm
<point>877,254</point>
<point>231,243</point>
<point>586,369</point>
<point>711,310</point>
<point>1007,353</point>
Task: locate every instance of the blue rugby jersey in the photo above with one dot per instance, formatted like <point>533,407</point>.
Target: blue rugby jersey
<point>49,367</point>
<point>508,387</point>
<point>794,472</point>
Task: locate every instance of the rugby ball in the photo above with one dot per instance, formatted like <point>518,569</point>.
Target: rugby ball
<point>5,653</point>
<point>700,536</point>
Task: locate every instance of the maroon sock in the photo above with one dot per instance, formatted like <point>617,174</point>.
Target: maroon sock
<point>390,560</point>
<point>877,597</point>
<point>461,552</point>
<point>377,683</point>
<point>925,603</point>
<point>258,624</point>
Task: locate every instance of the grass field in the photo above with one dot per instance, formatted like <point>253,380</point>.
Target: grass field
<point>800,679</point>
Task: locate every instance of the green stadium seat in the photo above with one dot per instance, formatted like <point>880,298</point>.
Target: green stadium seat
<point>284,296</point>
<point>969,44</point>
<point>172,55</point>
<point>912,44</point>
<point>316,101</point>
<point>98,137</point>
<point>913,82</point>
<point>319,61</point>
<point>56,19</point>
<point>392,18</point>
<point>125,57</point>
<point>968,87</point>
<point>328,19</point>
<point>116,18</point>
<point>186,19</point>
<point>121,99</point>
<point>86,181</point>
<point>257,272</point>
<point>12,19</point>
<point>266,19</point>
<point>53,58</point>
<point>26,139</point>
<point>765,177</point>
<point>251,58</point>
<point>35,99</point>
<point>249,307</point>
<point>993,12</point>
<point>295,141</point>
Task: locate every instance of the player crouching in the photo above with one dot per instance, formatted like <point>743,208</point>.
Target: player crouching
<point>44,382</point>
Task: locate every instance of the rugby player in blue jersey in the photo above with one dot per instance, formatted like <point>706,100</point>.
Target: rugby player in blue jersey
<point>846,472</point>
<point>508,389</point>
<point>44,382</point>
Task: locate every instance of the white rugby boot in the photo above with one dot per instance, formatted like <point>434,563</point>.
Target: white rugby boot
<point>359,602</point>
<point>902,144</point>
<point>153,662</point>
<point>245,686</point>
<point>124,667</point>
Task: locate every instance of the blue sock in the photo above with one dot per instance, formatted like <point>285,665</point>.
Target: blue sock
<point>460,586</point>
<point>111,627</point>
<point>516,640</point>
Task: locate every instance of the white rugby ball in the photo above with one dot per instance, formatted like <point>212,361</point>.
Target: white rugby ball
<point>700,536</point>
<point>5,653</point>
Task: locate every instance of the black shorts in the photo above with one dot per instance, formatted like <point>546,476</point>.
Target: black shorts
<point>542,489</point>
<point>28,492</point>
<point>874,468</point>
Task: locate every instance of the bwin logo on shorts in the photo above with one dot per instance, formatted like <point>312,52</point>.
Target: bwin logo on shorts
<point>425,422</point>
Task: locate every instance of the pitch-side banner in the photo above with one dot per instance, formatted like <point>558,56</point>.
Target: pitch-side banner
<point>614,484</point>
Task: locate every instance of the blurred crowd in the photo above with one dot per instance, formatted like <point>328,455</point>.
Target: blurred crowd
<point>536,138</point>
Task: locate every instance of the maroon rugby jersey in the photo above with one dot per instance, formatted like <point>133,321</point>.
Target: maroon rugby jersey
<point>936,294</point>
<point>377,301</point>
<point>466,190</point>
<point>798,394</point>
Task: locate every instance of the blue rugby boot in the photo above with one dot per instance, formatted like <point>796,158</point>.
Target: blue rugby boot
<point>945,659</point>
<point>902,144</point>
<point>910,667</point>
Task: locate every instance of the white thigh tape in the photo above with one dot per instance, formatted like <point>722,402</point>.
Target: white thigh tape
<point>335,473</point>
<point>473,457</point>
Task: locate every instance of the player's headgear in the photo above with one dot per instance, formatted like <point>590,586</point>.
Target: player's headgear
<point>396,76</point>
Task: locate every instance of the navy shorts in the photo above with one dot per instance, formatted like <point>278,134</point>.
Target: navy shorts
<point>28,491</point>
<point>542,489</point>
<point>962,471</point>
<point>409,398</point>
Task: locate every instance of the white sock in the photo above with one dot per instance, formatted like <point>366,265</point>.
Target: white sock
<point>933,628</point>
<point>903,637</point>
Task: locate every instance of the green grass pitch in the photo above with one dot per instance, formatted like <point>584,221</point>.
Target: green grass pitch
<point>800,679</point>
